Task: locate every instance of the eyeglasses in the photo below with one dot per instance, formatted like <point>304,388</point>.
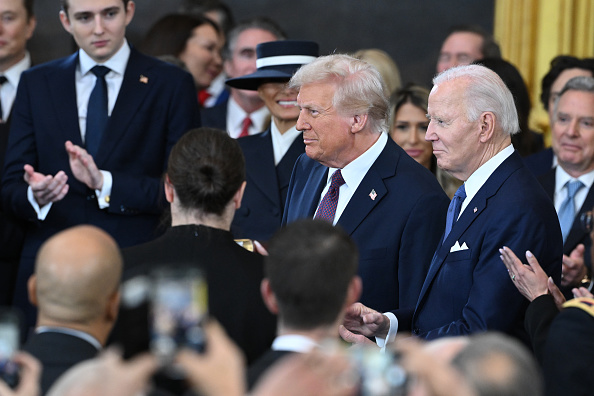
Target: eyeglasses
<point>587,221</point>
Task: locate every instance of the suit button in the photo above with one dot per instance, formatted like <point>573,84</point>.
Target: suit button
<point>123,209</point>
<point>416,331</point>
<point>90,197</point>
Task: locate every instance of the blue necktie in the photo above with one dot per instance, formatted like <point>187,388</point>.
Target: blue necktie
<point>454,209</point>
<point>327,208</point>
<point>567,208</point>
<point>97,111</point>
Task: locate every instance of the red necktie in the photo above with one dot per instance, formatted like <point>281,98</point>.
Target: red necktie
<point>246,124</point>
<point>327,208</point>
<point>203,96</point>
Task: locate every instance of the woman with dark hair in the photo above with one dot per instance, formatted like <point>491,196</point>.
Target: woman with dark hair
<point>194,40</point>
<point>204,185</point>
<point>408,125</point>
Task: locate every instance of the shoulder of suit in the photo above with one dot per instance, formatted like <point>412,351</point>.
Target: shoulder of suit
<point>583,303</point>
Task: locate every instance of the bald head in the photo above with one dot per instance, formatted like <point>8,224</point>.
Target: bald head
<point>77,273</point>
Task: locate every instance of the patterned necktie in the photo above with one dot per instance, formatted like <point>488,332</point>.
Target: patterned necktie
<point>246,124</point>
<point>3,80</point>
<point>97,111</point>
<point>454,209</point>
<point>327,208</point>
<point>567,208</point>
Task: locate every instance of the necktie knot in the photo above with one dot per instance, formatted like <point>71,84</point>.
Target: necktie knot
<point>100,71</point>
<point>573,186</point>
<point>460,193</point>
<point>336,180</point>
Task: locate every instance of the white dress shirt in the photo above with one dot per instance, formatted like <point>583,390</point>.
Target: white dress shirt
<point>236,115</point>
<point>353,174</point>
<point>561,178</point>
<point>282,142</point>
<point>85,82</point>
<point>293,343</point>
<point>9,88</point>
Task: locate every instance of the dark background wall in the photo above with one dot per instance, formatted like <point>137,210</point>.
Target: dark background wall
<point>411,31</point>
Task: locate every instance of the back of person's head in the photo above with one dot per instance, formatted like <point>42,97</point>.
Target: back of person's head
<point>310,267</point>
<point>206,168</point>
<point>489,49</point>
<point>558,65</point>
<point>384,64</point>
<point>77,273</point>
<point>224,16</point>
<point>170,34</point>
<point>485,91</point>
<point>495,364</point>
<point>262,23</point>
<point>410,93</point>
<point>359,88</point>
<point>580,84</point>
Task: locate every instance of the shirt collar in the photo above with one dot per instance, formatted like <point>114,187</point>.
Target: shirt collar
<point>356,170</point>
<point>236,115</point>
<point>293,343</point>
<point>562,177</point>
<point>13,74</point>
<point>480,176</point>
<point>116,63</point>
<point>72,332</point>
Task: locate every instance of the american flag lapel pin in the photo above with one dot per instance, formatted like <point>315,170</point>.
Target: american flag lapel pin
<point>372,195</point>
<point>475,209</point>
<point>143,79</point>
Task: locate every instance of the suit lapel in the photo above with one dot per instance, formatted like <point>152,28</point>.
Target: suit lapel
<point>62,90</point>
<point>135,86</point>
<point>313,189</point>
<point>471,213</point>
<point>362,202</point>
<point>287,163</point>
<point>259,155</point>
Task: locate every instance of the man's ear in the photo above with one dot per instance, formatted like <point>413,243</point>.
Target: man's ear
<point>487,125</point>
<point>31,289</point>
<point>354,291</point>
<point>65,21</point>
<point>239,195</point>
<point>169,190</point>
<point>268,296</point>
<point>358,122</point>
<point>113,306</point>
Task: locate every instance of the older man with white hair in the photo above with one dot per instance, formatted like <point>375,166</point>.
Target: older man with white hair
<point>472,117</point>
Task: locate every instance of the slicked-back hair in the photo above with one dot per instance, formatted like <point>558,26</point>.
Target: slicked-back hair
<point>359,88</point>
<point>29,8</point>
<point>170,34</point>
<point>206,168</point>
<point>262,23</point>
<point>484,92</point>
<point>558,65</point>
<point>64,4</point>
<point>310,265</point>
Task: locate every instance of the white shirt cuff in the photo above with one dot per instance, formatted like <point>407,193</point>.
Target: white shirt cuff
<point>383,342</point>
<point>41,212</point>
<point>104,194</point>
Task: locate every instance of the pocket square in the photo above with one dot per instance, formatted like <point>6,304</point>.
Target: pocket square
<point>457,247</point>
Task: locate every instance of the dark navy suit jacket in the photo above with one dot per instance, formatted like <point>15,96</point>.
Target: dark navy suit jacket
<point>265,194</point>
<point>540,163</point>
<point>470,290</point>
<point>396,232</point>
<point>577,234</point>
<point>215,116</point>
<point>156,105</point>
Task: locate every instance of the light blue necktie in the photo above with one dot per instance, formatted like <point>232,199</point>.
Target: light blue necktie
<point>454,209</point>
<point>567,209</point>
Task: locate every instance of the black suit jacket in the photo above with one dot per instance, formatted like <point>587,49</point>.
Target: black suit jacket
<point>215,116</point>
<point>57,352</point>
<point>233,276</point>
<point>260,366</point>
<point>155,106</point>
<point>265,194</point>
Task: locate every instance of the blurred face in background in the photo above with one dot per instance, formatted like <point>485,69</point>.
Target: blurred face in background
<point>408,131</point>
<point>281,101</point>
<point>202,55</point>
